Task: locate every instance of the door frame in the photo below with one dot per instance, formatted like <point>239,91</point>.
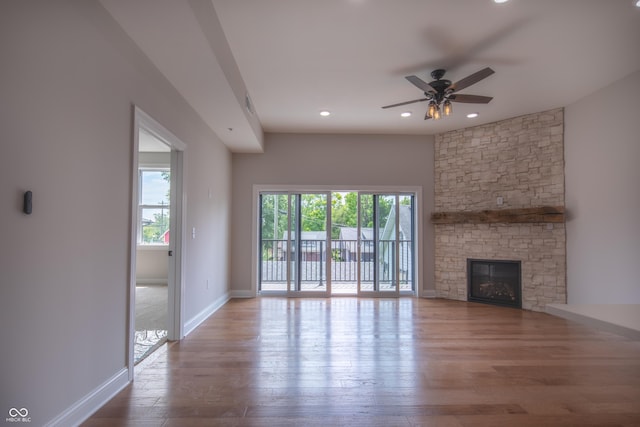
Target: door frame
<point>380,189</point>
<point>175,306</point>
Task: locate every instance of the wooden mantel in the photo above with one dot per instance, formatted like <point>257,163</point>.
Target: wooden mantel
<point>542,214</point>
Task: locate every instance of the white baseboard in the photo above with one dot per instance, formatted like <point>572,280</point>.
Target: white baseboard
<point>243,294</point>
<point>592,316</point>
<point>85,407</point>
<point>190,325</point>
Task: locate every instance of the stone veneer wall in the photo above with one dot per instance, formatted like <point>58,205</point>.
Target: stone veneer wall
<point>522,161</point>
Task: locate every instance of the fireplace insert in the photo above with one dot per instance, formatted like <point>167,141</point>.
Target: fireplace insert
<point>494,282</point>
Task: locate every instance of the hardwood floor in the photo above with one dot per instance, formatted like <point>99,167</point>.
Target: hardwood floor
<point>384,362</point>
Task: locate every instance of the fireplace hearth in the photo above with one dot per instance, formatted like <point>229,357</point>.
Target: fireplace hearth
<point>494,282</point>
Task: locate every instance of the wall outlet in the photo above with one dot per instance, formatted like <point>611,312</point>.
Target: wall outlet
<point>193,233</point>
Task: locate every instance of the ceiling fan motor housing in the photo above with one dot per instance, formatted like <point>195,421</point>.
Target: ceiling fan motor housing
<point>438,74</point>
<point>440,86</point>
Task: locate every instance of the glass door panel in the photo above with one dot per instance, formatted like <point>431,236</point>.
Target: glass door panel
<point>274,226</point>
<point>344,243</point>
<point>310,230</point>
<point>386,229</point>
<point>366,243</point>
<point>291,235</point>
<point>406,248</point>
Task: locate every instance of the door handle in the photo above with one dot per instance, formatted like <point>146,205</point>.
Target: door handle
<point>170,253</point>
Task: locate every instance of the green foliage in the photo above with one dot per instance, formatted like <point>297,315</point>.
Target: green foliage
<point>344,211</point>
<point>152,232</point>
<point>274,215</point>
<point>314,212</point>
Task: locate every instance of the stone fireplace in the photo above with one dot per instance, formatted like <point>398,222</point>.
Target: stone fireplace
<point>500,188</point>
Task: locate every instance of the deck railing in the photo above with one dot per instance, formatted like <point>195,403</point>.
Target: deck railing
<point>313,255</point>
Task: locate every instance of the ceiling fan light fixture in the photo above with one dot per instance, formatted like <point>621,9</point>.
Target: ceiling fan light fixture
<point>431,112</point>
<point>447,109</point>
<point>436,115</point>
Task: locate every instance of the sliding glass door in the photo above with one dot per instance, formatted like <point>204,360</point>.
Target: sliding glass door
<point>386,247</point>
<point>294,244</point>
<point>323,243</point>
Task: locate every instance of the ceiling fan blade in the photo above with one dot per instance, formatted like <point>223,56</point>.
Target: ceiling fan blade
<point>472,79</point>
<point>420,84</point>
<point>405,103</point>
<point>470,99</point>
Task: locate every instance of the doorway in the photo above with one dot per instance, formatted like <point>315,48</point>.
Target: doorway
<point>156,254</point>
<point>329,243</point>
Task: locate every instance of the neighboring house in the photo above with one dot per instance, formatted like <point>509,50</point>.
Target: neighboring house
<point>347,245</point>
<point>405,257</point>
<point>313,245</point>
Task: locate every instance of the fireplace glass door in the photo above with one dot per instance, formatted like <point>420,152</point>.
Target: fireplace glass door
<point>494,282</point>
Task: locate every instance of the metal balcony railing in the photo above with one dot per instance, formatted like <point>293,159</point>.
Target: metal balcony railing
<point>311,258</point>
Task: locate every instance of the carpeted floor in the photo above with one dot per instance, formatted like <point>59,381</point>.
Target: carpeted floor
<point>151,319</point>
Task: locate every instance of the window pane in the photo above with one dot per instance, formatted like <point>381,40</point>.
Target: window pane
<point>155,225</point>
<point>155,187</point>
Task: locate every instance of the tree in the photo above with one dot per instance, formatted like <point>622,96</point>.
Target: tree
<point>345,209</point>
<point>313,208</point>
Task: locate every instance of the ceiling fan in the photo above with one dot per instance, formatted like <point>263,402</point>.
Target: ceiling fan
<point>441,92</point>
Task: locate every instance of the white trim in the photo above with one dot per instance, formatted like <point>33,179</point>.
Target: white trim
<point>177,245</point>
<point>249,293</point>
<point>142,120</point>
<point>81,410</point>
<point>156,129</point>
<point>255,226</point>
<point>192,324</point>
<point>162,281</point>
<point>152,248</point>
<point>592,319</point>
<point>131,315</point>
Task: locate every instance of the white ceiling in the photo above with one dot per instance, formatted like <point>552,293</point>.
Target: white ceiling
<point>297,57</point>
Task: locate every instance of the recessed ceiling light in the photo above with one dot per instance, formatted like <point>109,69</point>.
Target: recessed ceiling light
<point>406,114</point>
<point>472,115</point>
<point>325,113</point>
<point>500,1</point>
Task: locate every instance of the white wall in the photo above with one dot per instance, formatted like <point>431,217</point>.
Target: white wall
<point>358,160</point>
<point>602,155</point>
<point>152,266</point>
<point>68,81</point>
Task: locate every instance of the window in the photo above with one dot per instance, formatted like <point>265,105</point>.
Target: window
<point>154,206</point>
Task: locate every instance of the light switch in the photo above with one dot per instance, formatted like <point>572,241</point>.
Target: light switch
<point>500,201</point>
